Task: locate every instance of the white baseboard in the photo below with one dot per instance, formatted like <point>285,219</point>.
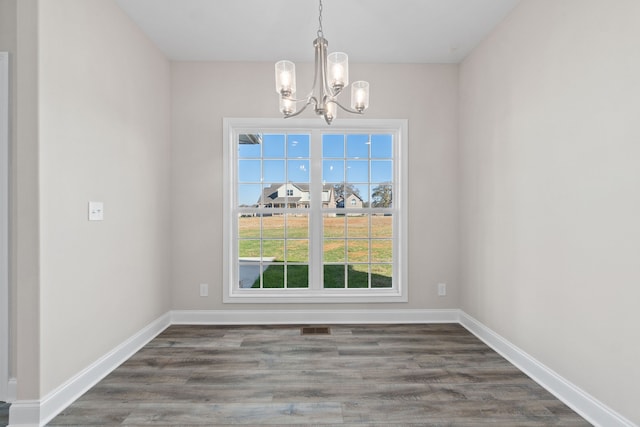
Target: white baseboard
<point>581,402</point>
<point>34,413</point>
<point>24,413</point>
<point>12,390</point>
<point>288,317</point>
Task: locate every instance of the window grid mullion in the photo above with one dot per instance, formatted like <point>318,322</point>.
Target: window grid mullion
<point>285,161</point>
<point>345,270</point>
<point>316,240</point>
<point>369,243</point>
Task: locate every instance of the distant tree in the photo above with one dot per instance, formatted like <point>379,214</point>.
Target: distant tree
<point>343,190</point>
<point>381,196</point>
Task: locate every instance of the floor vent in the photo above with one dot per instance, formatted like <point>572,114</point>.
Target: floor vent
<point>315,331</point>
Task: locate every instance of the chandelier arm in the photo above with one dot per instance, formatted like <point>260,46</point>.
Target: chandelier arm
<point>310,100</point>
<point>322,65</point>
<point>348,110</point>
<point>315,70</point>
<point>320,69</point>
<point>306,99</point>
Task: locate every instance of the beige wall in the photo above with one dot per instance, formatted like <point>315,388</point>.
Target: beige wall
<point>103,136</point>
<point>9,43</point>
<point>204,93</point>
<point>550,200</point>
<point>25,210</point>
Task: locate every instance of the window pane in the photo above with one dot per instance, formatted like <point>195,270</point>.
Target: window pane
<point>357,146</point>
<point>358,250</point>
<point>338,192</point>
<point>249,274</point>
<point>273,277</point>
<point>381,275</point>
<point>381,250</point>
<point>328,196</point>
<point>362,191</point>
<point>297,251</point>
<point>249,226</point>
<point>273,226</point>
<point>274,195</point>
<point>298,170</point>
<point>351,195</point>
<point>249,145</point>
<point>332,145</point>
<point>334,250</point>
<point>249,171</point>
<point>249,195</point>
<point>273,250</point>
<point>298,195</point>
<point>381,171</point>
<point>358,276</point>
<point>297,226</point>
<point>381,146</point>
<point>273,146</point>
<point>381,196</point>
<point>297,276</point>
<point>334,276</point>
<point>248,250</point>
<point>334,226</point>
<point>358,226</point>
<point>274,171</point>
<point>333,171</point>
<point>357,171</point>
<point>298,146</point>
<point>382,226</point>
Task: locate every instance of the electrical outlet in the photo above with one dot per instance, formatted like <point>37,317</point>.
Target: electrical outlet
<point>96,211</point>
<point>204,290</point>
<point>442,289</point>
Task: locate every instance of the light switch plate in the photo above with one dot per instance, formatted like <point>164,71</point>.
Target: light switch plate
<point>96,211</point>
<point>204,289</point>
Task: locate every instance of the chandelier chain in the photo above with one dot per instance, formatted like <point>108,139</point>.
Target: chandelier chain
<point>320,33</point>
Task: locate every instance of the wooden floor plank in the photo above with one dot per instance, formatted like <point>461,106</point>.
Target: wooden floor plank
<point>438,375</point>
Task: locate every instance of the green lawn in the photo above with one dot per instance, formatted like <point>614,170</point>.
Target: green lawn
<point>285,240</point>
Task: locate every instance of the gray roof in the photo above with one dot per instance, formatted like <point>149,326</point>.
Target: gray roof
<point>270,193</point>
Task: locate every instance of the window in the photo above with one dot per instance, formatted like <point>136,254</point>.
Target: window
<point>315,213</point>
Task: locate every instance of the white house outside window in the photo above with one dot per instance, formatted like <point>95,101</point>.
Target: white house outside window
<point>315,213</point>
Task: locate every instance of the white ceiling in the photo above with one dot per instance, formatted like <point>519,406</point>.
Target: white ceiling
<point>387,31</point>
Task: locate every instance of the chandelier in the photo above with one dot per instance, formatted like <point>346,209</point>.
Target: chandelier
<point>331,77</point>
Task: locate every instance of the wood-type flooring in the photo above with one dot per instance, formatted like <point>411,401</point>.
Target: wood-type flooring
<point>4,414</point>
<point>359,375</point>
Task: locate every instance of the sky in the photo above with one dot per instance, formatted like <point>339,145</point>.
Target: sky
<point>352,159</point>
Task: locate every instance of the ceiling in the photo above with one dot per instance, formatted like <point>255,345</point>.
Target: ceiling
<point>380,31</point>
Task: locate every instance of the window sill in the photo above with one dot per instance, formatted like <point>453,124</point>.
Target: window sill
<point>308,296</point>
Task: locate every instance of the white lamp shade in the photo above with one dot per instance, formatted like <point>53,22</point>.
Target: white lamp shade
<point>338,70</point>
<point>360,95</point>
<point>287,106</point>
<point>285,77</point>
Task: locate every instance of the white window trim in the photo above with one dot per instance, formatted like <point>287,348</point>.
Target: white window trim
<point>4,226</point>
<point>232,294</point>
